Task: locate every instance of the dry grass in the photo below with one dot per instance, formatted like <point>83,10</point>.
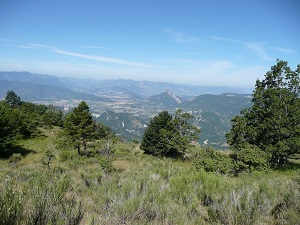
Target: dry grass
<point>139,189</point>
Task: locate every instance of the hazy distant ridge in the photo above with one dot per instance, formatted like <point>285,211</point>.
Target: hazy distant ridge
<point>130,88</point>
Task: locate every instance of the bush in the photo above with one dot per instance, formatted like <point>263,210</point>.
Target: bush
<point>65,155</point>
<point>251,158</point>
<point>16,157</point>
<point>211,160</point>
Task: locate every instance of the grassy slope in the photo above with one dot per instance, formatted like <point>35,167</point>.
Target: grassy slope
<point>141,189</point>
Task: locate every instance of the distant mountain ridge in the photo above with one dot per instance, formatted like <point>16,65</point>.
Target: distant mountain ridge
<point>131,88</point>
<point>40,92</point>
<point>50,80</point>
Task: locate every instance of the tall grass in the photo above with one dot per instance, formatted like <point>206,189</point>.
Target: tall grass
<point>133,188</point>
<point>38,198</point>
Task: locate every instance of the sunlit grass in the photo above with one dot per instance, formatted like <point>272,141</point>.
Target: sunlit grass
<point>133,188</point>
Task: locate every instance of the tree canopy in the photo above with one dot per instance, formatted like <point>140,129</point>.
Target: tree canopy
<point>12,99</point>
<point>79,126</point>
<point>169,136</point>
<point>8,126</point>
<point>20,119</point>
<point>273,122</point>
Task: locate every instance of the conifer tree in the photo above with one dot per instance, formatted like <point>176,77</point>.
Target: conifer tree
<point>8,126</point>
<point>79,126</point>
<point>151,143</point>
<point>12,99</point>
<point>168,136</point>
<point>273,122</point>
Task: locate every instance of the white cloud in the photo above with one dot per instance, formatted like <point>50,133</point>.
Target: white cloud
<point>257,48</point>
<point>217,38</point>
<point>26,46</point>
<point>101,58</point>
<point>285,50</point>
<point>90,57</point>
<point>7,40</point>
<point>181,38</point>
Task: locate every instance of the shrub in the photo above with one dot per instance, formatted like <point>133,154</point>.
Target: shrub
<point>65,155</point>
<point>251,158</point>
<point>211,160</point>
<point>16,157</point>
<point>106,165</point>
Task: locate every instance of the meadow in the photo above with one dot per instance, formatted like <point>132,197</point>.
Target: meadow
<point>41,184</point>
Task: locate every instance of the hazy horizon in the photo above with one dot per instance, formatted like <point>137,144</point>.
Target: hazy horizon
<point>208,43</point>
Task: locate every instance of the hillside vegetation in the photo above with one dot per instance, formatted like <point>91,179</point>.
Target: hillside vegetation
<point>134,188</point>
<point>70,169</point>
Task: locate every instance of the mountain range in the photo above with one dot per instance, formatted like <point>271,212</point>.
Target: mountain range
<point>127,105</point>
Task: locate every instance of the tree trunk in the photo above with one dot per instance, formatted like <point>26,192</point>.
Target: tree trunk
<point>84,147</point>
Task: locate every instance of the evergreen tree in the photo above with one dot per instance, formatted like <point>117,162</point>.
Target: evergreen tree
<point>12,99</point>
<point>168,136</point>
<point>273,122</point>
<point>184,131</point>
<point>79,126</point>
<point>8,126</point>
<point>152,140</point>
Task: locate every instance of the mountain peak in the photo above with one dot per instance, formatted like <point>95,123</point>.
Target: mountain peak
<point>173,96</point>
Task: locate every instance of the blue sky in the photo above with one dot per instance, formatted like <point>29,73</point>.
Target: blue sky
<point>212,42</point>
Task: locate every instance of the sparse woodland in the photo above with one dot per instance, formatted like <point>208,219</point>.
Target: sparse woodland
<point>68,169</point>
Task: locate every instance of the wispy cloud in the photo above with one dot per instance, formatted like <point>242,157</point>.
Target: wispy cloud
<point>87,56</point>
<point>34,46</point>
<point>285,50</point>
<point>7,40</point>
<point>255,47</point>
<point>217,38</point>
<point>101,58</point>
<point>26,46</point>
<point>181,38</point>
<point>203,67</point>
<point>259,50</point>
<point>41,46</point>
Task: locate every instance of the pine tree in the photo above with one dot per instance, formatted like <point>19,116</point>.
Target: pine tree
<point>152,140</point>
<point>273,122</point>
<point>168,136</point>
<point>79,126</point>
<point>8,126</point>
<point>12,99</point>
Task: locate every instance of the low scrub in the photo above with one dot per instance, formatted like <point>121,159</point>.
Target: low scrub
<point>42,199</point>
<point>211,160</point>
<point>143,189</point>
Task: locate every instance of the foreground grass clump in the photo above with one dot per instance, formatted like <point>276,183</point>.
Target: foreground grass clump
<point>133,188</point>
<point>38,198</point>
